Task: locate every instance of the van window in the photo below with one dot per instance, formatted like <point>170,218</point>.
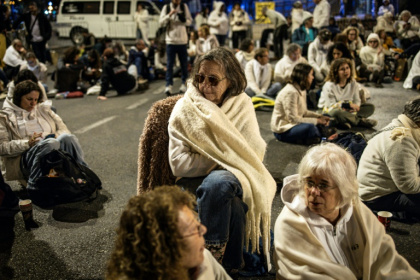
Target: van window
<point>108,8</point>
<point>123,7</point>
<point>80,7</point>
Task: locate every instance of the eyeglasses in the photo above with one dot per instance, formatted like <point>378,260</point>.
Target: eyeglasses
<point>322,187</point>
<point>200,229</point>
<point>213,81</point>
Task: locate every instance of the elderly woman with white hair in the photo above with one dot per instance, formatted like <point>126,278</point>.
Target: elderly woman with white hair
<point>407,28</point>
<point>324,232</point>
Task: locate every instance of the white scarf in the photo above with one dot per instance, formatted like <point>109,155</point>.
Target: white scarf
<point>230,136</point>
<point>410,129</point>
<point>257,72</point>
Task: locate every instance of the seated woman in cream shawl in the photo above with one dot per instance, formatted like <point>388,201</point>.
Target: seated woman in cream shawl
<point>216,149</point>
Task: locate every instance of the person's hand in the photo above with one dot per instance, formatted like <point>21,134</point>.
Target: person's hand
<point>100,97</point>
<point>35,138</point>
<point>324,120</point>
<point>22,50</point>
<point>354,107</point>
<point>172,12</point>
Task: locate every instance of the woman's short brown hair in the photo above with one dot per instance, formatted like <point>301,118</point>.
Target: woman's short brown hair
<point>149,244</point>
<point>300,75</point>
<point>230,65</point>
<point>333,74</point>
<point>24,88</point>
<point>204,29</point>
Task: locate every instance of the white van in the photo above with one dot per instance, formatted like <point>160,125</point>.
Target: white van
<point>113,18</point>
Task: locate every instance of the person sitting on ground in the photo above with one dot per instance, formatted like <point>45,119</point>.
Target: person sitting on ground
<point>373,58</point>
<point>386,42</point>
<point>246,52</point>
<point>137,56</point>
<point>355,22</point>
<point>68,70</point>
<point>284,67</point>
<point>205,42</point>
<point>325,232</point>
<point>340,98</point>
<point>317,55</point>
<point>291,120</point>
<point>338,50</point>
<point>123,80</point>
<point>14,58</point>
<point>259,76</point>
<point>306,34</point>
<point>192,47</point>
<point>29,129</point>
<point>93,67</point>
<point>386,22</point>
<point>216,149</point>
<point>120,52</point>
<point>407,29</point>
<point>89,40</point>
<point>25,75</point>
<point>354,43</point>
<point>413,78</point>
<point>333,27</point>
<point>39,69</point>
<point>388,169</point>
<point>165,219</point>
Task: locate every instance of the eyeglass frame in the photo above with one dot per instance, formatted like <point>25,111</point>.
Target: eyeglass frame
<point>200,228</point>
<point>208,79</point>
<point>309,185</point>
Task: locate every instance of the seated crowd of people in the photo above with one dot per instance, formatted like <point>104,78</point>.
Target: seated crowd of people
<point>221,199</point>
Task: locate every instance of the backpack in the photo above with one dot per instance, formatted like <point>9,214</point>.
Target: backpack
<point>63,180</point>
<point>354,143</point>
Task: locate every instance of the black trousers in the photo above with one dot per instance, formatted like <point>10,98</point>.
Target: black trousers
<point>238,37</point>
<point>280,34</point>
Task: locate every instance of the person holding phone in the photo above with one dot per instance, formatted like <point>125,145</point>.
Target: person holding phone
<point>340,98</point>
<point>29,129</point>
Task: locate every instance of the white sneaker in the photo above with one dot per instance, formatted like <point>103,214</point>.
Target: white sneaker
<point>183,88</point>
<point>168,90</point>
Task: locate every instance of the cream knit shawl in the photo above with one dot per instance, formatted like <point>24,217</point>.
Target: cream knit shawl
<point>410,129</point>
<point>230,136</point>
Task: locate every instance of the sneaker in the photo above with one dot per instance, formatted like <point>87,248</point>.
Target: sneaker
<point>388,80</point>
<point>168,90</point>
<point>142,81</point>
<point>344,126</point>
<point>368,123</point>
<point>183,88</point>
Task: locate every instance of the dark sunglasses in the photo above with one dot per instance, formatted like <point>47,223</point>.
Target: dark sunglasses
<point>213,81</point>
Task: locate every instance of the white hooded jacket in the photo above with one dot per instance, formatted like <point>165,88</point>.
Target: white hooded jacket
<point>218,21</point>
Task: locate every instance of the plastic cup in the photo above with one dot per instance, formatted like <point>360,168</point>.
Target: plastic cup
<point>385,218</point>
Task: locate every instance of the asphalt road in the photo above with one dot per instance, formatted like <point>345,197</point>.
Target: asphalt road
<point>74,240</point>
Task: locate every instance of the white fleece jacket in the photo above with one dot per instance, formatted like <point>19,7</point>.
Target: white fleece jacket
<point>218,21</point>
<point>177,30</point>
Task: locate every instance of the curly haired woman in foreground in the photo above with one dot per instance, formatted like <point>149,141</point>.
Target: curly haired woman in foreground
<point>159,237</point>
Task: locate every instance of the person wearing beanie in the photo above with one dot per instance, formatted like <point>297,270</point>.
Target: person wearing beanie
<point>317,54</point>
<point>372,57</point>
<point>306,33</point>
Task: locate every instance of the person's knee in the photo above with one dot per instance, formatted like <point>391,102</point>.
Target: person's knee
<point>220,183</point>
<point>50,144</point>
<point>66,139</point>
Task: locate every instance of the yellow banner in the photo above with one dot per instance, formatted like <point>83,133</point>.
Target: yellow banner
<point>259,17</point>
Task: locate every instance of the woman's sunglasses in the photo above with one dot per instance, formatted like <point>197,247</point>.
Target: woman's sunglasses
<point>212,80</point>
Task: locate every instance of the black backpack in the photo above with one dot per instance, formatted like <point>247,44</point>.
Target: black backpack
<point>72,182</point>
<point>354,143</point>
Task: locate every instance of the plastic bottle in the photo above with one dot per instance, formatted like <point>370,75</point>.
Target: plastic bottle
<point>323,140</point>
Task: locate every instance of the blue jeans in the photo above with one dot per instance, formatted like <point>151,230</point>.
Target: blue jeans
<point>272,91</point>
<point>138,34</point>
<point>65,142</point>
<point>402,205</point>
<point>171,52</point>
<point>299,133</point>
<point>222,211</point>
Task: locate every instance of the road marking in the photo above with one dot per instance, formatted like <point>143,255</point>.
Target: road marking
<point>138,104</point>
<point>94,125</point>
<point>159,90</point>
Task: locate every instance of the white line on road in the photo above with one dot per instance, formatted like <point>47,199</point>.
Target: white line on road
<point>94,125</point>
<point>137,104</point>
<point>159,90</point>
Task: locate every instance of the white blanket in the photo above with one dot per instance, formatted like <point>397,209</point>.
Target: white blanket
<point>230,136</point>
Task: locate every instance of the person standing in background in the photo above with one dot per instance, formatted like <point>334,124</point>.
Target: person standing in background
<point>142,17</point>
<point>322,13</point>
<point>280,30</point>
<point>38,29</point>
<point>202,18</point>
<point>239,21</point>
<point>219,22</point>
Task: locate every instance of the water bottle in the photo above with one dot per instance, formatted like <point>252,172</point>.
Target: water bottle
<point>323,140</point>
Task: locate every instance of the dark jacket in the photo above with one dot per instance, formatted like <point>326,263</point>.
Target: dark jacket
<point>44,25</point>
<point>114,72</point>
<point>300,36</point>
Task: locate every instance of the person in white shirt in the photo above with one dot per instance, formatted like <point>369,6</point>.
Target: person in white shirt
<point>176,22</point>
<point>386,7</point>
<point>142,27</point>
<point>297,15</point>
<point>201,18</point>
<point>246,52</point>
<point>373,59</point>
<point>219,22</point>
<point>407,29</point>
<point>317,54</point>
<point>284,66</point>
<point>205,41</point>
<point>259,74</point>
<point>239,22</point>
<point>322,13</point>
<point>280,30</point>
<point>13,58</point>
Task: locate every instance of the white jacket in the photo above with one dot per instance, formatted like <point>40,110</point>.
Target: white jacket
<point>176,29</point>
<point>284,68</point>
<point>141,20</point>
<point>370,56</point>
<point>218,21</point>
<point>333,93</point>
<point>12,57</point>
<point>253,79</point>
<point>414,71</point>
<point>297,18</point>
<point>410,33</point>
<point>322,14</point>
<point>211,269</point>
<point>317,54</point>
<point>306,247</point>
<point>239,17</point>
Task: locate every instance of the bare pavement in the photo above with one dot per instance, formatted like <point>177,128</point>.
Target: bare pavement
<point>74,241</point>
